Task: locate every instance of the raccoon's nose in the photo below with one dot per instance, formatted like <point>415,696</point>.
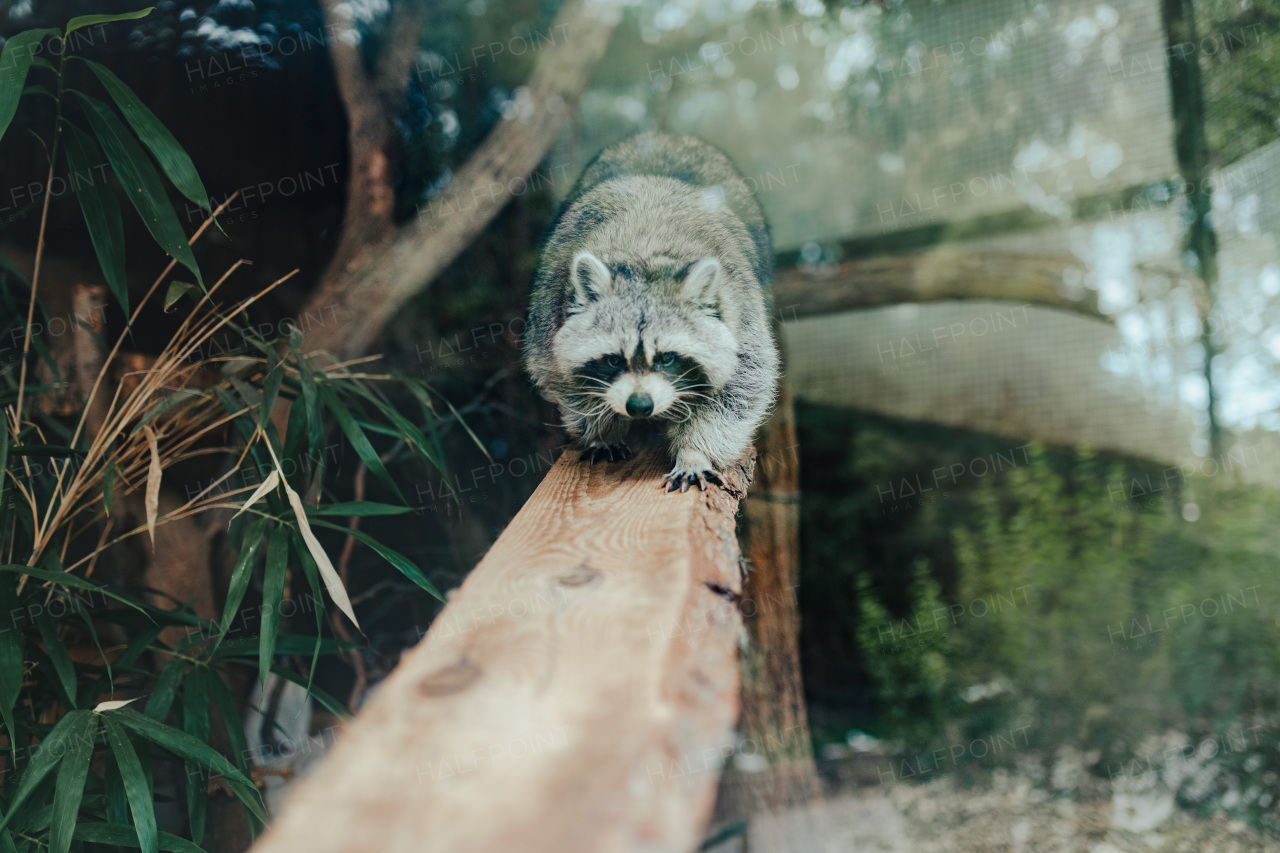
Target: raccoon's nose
<point>639,405</point>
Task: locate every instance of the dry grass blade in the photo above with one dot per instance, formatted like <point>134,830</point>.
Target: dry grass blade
<point>176,368</point>
<point>113,704</point>
<point>154,474</point>
<point>267,485</point>
<point>332,582</point>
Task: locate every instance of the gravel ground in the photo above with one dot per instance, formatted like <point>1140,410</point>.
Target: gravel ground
<point>1006,814</point>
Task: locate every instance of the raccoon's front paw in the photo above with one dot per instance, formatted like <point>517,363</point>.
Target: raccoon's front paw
<point>607,453</point>
<point>691,468</point>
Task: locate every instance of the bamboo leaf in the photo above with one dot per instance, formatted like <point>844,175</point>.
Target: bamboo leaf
<point>117,801</point>
<point>69,789</point>
<point>312,573</point>
<point>45,758</point>
<point>286,644</point>
<point>10,651</point>
<point>176,291</point>
<point>332,582</point>
<point>108,484</point>
<point>231,719</point>
<point>272,481</point>
<point>271,386</point>
<point>141,182</point>
<point>296,434</point>
<point>404,428</point>
<point>315,423</point>
<point>272,595</point>
<point>140,643</point>
<point>166,688</point>
<point>4,475</point>
<point>361,508</point>
<point>357,438</point>
<point>118,835</point>
<point>69,580</point>
<point>240,574</point>
<point>15,62</point>
<point>195,722</point>
<point>136,786</point>
<point>89,20</point>
<point>113,704</point>
<point>322,697</point>
<point>178,742</point>
<point>231,405</point>
<point>170,401</point>
<point>100,208</point>
<point>154,473</point>
<point>159,141</point>
<point>62,666</point>
<point>184,746</point>
<point>402,563</point>
<point>49,451</point>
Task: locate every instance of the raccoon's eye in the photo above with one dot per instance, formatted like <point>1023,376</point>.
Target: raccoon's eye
<point>664,359</point>
<point>615,361</point>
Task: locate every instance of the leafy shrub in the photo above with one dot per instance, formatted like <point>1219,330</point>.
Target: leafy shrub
<point>1101,626</point>
<point>82,761</point>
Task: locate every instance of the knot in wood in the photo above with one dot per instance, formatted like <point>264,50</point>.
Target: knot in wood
<point>452,679</point>
<point>580,575</point>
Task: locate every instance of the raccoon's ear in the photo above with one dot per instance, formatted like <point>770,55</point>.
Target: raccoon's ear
<point>702,282</point>
<point>589,276</point>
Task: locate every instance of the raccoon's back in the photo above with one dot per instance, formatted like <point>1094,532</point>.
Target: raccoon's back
<point>694,162</point>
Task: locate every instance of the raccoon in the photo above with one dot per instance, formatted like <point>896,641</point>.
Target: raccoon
<point>650,309</point>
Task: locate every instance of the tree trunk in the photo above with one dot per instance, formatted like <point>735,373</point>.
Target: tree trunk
<point>378,268</point>
<point>774,724</point>
<point>1187,95</point>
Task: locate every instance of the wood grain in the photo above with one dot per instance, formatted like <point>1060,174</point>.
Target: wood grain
<point>577,693</point>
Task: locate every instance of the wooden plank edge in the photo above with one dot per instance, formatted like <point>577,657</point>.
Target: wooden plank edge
<point>648,786</point>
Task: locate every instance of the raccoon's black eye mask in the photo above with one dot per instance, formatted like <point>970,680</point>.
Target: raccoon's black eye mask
<point>606,368</point>
<point>683,372</point>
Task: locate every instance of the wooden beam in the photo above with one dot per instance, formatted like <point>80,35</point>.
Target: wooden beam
<point>933,276</point>
<point>577,693</point>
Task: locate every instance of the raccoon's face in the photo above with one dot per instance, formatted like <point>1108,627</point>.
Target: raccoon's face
<point>644,346</point>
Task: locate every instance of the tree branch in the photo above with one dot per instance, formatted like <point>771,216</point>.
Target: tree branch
<point>369,102</point>
<point>369,283</point>
<point>934,276</point>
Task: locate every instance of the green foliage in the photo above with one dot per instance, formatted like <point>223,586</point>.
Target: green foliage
<point>1100,624</point>
<point>1239,58</point>
<point>134,169</point>
<point>81,768</point>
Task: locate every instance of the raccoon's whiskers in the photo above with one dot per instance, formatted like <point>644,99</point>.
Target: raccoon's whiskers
<point>680,412</point>
<point>595,408</point>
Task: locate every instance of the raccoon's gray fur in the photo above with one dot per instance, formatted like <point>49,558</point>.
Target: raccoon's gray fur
<point>651,307</point>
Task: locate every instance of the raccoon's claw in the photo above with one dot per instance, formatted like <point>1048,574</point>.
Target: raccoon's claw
<point>607,453</point>
<point>682,480</point>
